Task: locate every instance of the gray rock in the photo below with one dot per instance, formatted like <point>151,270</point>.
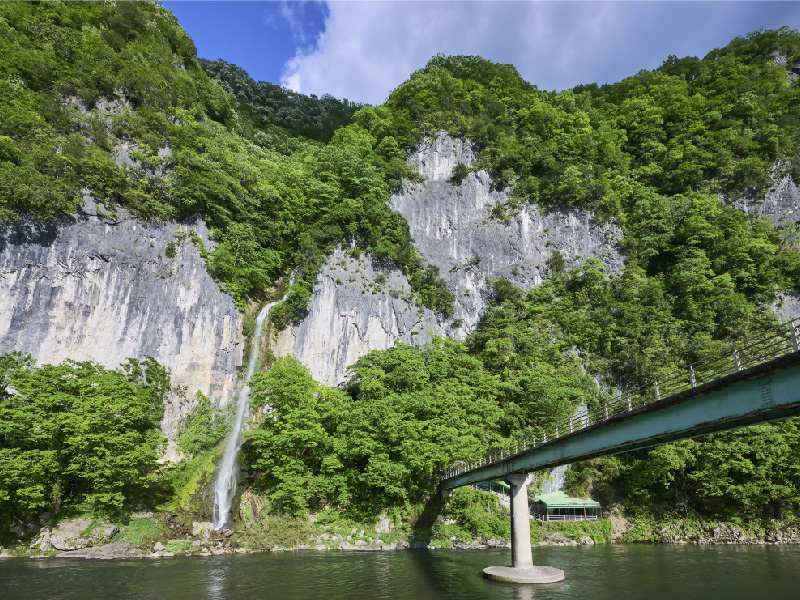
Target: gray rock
<point>453,229</point>
<point>74,535</point>
<point>781,205</point>
<point>100,287</point>
<point>353,311</point>
<point>556,538</point>
<point>358,306</point>
<point>383,526</point>
<point>159,547</point>
<point>202,529</point>
<point>121,549</point>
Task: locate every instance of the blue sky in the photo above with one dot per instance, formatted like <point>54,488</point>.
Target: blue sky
<point>363,50</point>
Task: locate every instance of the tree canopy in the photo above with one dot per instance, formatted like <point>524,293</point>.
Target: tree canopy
<point>78,434</point>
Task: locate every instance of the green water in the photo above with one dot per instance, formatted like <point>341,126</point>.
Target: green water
<point>596,573</point>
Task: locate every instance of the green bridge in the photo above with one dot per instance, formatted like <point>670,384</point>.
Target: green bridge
<point>756,382</point>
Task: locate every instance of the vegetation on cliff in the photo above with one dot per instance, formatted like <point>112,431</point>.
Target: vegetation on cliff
<point>110,101</point>
<point>724,123</point>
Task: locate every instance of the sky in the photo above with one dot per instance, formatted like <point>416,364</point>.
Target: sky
<point>363,50</point>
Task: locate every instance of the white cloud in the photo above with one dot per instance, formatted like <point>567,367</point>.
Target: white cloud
<point>368,48</point>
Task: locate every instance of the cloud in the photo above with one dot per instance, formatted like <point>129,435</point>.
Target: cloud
<point>368,48</point>
<point>302,18</point>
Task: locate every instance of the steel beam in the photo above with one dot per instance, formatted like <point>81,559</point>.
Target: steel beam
<point>768,392</point>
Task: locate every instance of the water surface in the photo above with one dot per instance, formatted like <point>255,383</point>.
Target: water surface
<point>615,572</point>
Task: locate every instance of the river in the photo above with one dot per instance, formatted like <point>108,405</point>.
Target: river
<point>609,572</point>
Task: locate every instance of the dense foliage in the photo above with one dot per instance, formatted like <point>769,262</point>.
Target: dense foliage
<point>717,124</point>
<point>748,473</point>
<point>653,152</point>
<point>270,104</point>
<point>380,443</point>
<point>78,434</point>
<point>204,428</point>
<point>110,101</point>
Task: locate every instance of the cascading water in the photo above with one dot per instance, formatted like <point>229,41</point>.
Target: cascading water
<point>225,485</point>
<point>557,478</point>
<point>555,481</point>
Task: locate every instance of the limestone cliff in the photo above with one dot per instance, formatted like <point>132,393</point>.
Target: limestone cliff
<point>781,205</point>
<point>98,287</point>
<point>453,229</point>
<point>356,307</point>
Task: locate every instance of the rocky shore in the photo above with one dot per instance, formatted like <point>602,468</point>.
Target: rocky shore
<point>83,538</point>
<point>722,533</point>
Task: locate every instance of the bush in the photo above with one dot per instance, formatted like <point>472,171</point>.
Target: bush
<point>141,532</point>
<point>479,513</point>
<point>278,531</point>
<point>460,172</point>
<point>601,531</point>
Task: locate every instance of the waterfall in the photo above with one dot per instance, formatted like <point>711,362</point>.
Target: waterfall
<point>225,485</point>
<point>555,480</point>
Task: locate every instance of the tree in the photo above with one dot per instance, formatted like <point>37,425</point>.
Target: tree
<point>78,433</point>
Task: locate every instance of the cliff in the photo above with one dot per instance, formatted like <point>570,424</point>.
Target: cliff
<point>103,288</point>
<point>358,307</point>
<point>453,229</point>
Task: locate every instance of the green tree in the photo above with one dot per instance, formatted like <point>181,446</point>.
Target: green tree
<point>78,433</point>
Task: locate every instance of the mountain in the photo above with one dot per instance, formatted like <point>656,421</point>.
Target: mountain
<point>461,266</point>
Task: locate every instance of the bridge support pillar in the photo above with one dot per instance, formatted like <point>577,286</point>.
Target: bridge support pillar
<point>520,521</point>
<point>522,569</point>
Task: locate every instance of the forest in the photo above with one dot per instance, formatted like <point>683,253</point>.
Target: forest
<point>282,178</point>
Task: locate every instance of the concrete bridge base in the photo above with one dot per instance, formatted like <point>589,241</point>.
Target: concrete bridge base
<point>522,569</point>
<point>529,575</point>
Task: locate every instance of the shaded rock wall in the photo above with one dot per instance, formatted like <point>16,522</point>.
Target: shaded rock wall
<point>781,205</point>
<point>453,229</point>
<point>100,288</point>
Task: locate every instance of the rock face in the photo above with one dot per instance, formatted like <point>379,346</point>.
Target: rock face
<point>453,229</point>
<point>74,535</point>
<point>104,288</point>
<point>114,550</point>
<point>721,533</point>
<point>357,307</point>
<point>781,205</point>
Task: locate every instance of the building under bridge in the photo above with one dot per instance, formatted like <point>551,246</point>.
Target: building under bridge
<point>557,506</point>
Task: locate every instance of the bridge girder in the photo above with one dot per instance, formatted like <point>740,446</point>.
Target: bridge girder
<point>764,393</point>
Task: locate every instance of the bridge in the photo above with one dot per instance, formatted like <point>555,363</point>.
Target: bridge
<point>758,381</point>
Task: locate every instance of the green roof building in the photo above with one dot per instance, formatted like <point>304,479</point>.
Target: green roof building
<point>560,507</point>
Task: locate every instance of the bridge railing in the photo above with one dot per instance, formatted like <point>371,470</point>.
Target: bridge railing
<point>743,355</point>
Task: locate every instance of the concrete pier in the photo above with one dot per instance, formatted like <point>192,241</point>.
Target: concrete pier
<point>522,569</point>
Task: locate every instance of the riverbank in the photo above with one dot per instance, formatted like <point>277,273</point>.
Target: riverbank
<point>168,535</point>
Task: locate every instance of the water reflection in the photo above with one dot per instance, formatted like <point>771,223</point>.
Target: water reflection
<point>217,580</point>
<point>602,573</point>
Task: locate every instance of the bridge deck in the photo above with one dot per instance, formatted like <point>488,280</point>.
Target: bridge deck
<point>766,392</point>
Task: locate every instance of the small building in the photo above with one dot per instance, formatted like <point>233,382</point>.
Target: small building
<point>560,507</point>
<point>496,487</point>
